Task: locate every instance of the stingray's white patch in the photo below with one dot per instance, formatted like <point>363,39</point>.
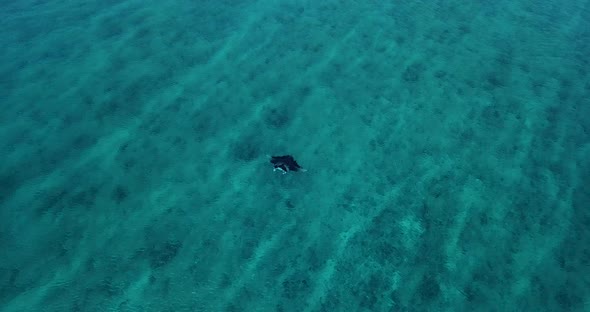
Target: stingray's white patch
<point>279,169</point>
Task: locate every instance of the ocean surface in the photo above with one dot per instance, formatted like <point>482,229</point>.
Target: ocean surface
<point>447,148</point>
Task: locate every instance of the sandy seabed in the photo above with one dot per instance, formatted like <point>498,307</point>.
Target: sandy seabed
<point>447,145</point>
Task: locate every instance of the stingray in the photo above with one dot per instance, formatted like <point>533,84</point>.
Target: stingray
<point>285,164</point>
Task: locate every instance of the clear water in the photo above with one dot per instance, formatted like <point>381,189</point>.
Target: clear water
<point>447,146</point>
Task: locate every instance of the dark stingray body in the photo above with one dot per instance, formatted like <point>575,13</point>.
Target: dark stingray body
<point>285,163</point>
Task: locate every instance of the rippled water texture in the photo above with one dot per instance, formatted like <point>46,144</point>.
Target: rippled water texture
<point>446,145</point>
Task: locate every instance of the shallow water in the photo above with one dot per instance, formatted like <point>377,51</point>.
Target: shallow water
<point>446,144</point>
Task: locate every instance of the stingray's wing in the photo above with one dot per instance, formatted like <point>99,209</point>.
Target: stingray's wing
<point>273,159</point>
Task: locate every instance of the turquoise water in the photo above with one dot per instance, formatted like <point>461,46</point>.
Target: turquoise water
<point>447,148</point>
